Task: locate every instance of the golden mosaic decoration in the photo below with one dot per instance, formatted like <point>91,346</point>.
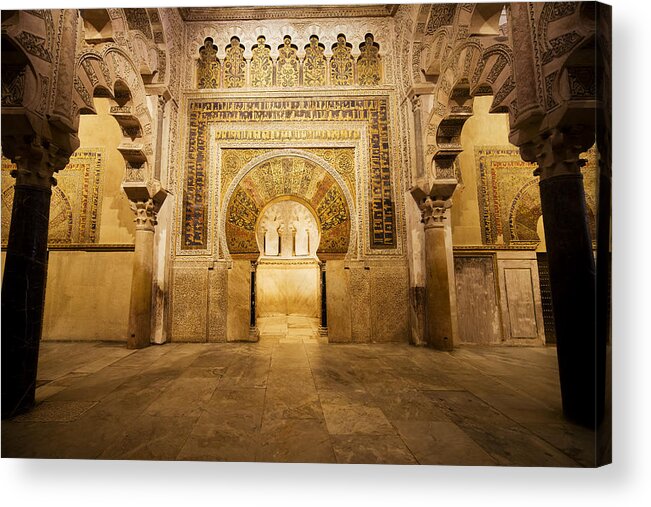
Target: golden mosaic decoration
<point>287,176</point>
<point>509,197</point>
<point>314,65</point>
<point>287,65</point>
<point>262,67</point>
<point>208,66</point>
<point>234,65</point>
<point>75,202</point>
<point>341,64</point>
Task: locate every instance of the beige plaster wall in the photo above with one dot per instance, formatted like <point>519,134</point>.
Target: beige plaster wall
<point>87,295</point>
<point>88,292</point>
<point>483,128</point>
<point>116,218</point>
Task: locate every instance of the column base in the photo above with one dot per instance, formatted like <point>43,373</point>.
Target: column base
<point>254,334</point>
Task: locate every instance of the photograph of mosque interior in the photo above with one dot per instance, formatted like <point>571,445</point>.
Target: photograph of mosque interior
<point>310,234</point>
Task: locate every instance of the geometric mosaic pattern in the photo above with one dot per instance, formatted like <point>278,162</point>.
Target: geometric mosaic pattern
<point>75,202</point>
<point>287,176</point>
<point>372,110</point>
<point>509,195</point>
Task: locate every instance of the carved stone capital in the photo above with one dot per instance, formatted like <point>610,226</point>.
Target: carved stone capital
<point>37,159</point>
<point>416,104</point>
<point>557,151</point>
<point>433,211</point>
<point>145,212</point>
<point>146,200</point>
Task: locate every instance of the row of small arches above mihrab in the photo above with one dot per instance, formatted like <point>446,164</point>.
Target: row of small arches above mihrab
<point>289,68</point>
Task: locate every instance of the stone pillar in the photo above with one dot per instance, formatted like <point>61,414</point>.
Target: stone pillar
<point>23,282</point>
<point>571,267</point>
<point>145,202</point>
<point>254,331</point>
<point>440,296</point>
<point>140,306</point>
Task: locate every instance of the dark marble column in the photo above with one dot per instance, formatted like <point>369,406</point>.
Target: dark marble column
<point>323,328</point>
<point>23,282</point>
<point>571,270</point>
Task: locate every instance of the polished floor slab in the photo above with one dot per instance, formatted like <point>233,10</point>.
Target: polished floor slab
<point>292,397</point>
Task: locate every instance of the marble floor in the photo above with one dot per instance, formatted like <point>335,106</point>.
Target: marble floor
<point>292,397</point>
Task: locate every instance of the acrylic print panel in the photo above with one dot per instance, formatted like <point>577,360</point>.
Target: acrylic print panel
<point>310,234</point>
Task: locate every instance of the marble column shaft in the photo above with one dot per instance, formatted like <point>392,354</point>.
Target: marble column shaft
<point>440,315</point>
<point>140,308</point>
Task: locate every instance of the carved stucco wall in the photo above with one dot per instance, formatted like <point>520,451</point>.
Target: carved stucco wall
<point>300,31</point>
<point>351,131</point>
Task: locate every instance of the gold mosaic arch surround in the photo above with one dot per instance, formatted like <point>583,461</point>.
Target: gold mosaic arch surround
<point>210,248</point>
<point>289,153</point>
<point>307,139</point>
<point>503,178</point>
<point>295,176</point>
<point>272,137</point>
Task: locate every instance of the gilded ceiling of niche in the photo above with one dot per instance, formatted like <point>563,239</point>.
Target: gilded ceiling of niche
<point>75,202</point>
<point>509,197</point>
<point>287,176</point>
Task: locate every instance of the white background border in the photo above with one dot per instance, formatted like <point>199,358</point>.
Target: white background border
<point>627,482</point>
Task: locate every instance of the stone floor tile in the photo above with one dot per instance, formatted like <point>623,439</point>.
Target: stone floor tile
<point>350,419</point>
<point>442,443</point>
<point>292,403</point>
<point>151,438</point>
<point>295,441</point>
<point>384,449</point>
<point>409,406</point>
<point>218,444</point>
<point>184,397</point>
<point>516,446</point>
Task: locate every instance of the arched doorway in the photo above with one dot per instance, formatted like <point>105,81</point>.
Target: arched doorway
<point>288,270</point>
<point>284,214</point>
